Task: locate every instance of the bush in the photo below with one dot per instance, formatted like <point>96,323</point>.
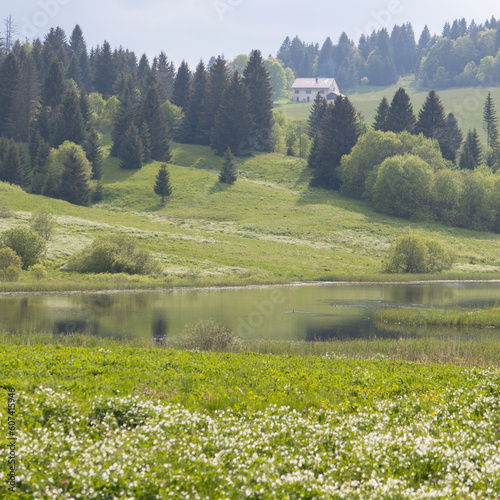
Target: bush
<point>26,243</point>
<point>11,273</point>
<point>208,335</point>
<point>410,253</point>
<point>38,271</point>
<point>10,265</point>
<point>403,187</point>
<point>43,223</point>
<point>5,211</point>
<point>114,254</point>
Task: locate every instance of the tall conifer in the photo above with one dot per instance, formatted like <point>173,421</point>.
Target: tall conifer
<point>9,78</point>
<point>258,83</point>
<point>338,136</point>
<point>182,84</point>
<point>197,92</point>
<point>381,121</point>
<point>401,116</point>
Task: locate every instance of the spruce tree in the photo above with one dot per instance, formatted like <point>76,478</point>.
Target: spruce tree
<point>233,125</point>
<point>9,78</point>
<point>145,136</point>
<point>166,77</point>
<point>131,150</point>
<point>196,96</point>
<point>162,184</point>
<point>94,153</point>
<point>311,161</point>
<point>182,84</point>
<point>490,123</point>
<point>69,125</point>
<point>258,83</point>
<point>316,115</point>
<point>53,85</point>
<point>126,115</point>
<point>470,154</point>
<point>228,174</point>
<point>11,167</point>
<point>218,78</point>
<point>75,179</point>
<point>382,116</point>
<point>456,133</point>
<point>25,100</point>
<point>104,71</point>
<point>152,114</point>
<point>401,115</point>
<point>338,136</point>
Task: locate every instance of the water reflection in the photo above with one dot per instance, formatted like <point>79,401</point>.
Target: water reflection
<point>288,313</point>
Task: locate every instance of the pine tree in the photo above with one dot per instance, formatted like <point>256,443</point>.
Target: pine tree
<point>85,107</point>
<point>104,71</point>
<point>131,150</point>
<point>9,78</point>
<point>470,154</point>
<point>311,161</point>
<point>228,174</point>
<point>94,153</point>
<point>145,137</point>
<point>196,96</point>
<point>382,116</point>
<point>338,136</point>
<point>233,125</point>
<point>316,115</point>
<point>126,115</point>
<point>456,133</point>
<point>53,85</point>
<point>401,115</point>
<point>11,168</point>
<point>182,84</point>
<point>490,123</point>
<point>77,41</point>
<point>69,125</point>
<point>25,100</point>
<point>258,83</point>
<point>151,114</point>
<point>75,179</point>
<point>162,184</point>
<point>218,78</point>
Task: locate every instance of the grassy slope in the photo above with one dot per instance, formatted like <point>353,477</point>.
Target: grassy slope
<point>466,103</point>
<point>268,227</point>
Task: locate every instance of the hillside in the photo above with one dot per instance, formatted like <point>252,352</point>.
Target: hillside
<point>466,103</point>
<point>269,227</point>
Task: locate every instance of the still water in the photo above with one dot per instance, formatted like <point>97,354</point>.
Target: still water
<point>293,312</point>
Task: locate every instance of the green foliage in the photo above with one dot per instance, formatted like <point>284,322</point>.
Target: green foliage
<point>131,153</point>
<point>381,121</point>
<point>228,174</point>
<point>9,258</point>
<point>26,243</point>
<point>208,335</point>
<point>411,253</point>
<point>174,116</point>
<point>38,271</point>
<point>401,117</point>
<point>113,254</point>
<point>404,186</point>
<point>162,185</point>
<point>43,223</point>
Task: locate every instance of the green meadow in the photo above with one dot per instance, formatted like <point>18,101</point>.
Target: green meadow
<point>465,103</point>
<point>270,227</point>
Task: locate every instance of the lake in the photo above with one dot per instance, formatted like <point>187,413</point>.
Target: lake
<point>341,311</point>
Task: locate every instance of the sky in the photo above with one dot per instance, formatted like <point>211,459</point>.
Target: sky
<point>198,29</point>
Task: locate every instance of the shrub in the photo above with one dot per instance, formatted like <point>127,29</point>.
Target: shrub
<point>403,187</point>
<point>5,211</point>
<point>26,243</point>
<point>43,223</point>
<point>10,264</point>
<point>410,253</point>
<point>208,335</point>
<point>114,254</point>
<point>38,271</point>
<point>11,273</point>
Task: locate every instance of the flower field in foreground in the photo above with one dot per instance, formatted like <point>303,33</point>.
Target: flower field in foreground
<point>321,428</point>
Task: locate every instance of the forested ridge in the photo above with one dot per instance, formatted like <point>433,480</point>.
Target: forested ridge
<point>58,100</point>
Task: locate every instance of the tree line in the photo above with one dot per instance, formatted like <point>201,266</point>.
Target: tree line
<point>465,54</point>
<point>418,167</point>
<point>44,102</point>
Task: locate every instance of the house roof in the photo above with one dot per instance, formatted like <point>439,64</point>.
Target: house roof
<point>316,83</point>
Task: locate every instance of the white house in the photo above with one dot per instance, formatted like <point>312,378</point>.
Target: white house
<point>305,89</point>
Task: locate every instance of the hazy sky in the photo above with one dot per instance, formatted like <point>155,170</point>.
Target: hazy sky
<point>194,29</point>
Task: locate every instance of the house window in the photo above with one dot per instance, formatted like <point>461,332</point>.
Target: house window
<point>296,91</point>
<point>321,91</point>
<point>308,91</point>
